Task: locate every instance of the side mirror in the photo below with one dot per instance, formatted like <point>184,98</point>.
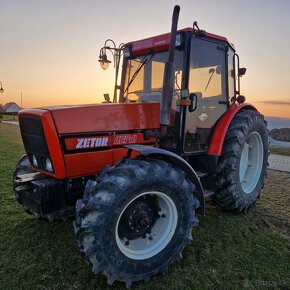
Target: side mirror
<point>193,102</point>
<point>242,71</point>
<point>107,98</point>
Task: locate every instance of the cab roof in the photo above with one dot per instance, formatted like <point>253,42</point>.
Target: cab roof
<point>161,42</point>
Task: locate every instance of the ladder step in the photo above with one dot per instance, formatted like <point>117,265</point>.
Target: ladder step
<point>201,174</point>
<point>208,193</point>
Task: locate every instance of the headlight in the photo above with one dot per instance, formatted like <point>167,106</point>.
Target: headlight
<point>48,165</point>
<point>34,161</point>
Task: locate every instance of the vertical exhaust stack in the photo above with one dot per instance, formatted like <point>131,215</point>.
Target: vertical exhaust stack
<point>168,81</point>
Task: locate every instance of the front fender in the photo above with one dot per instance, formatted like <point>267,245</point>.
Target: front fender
<point>177,161</point>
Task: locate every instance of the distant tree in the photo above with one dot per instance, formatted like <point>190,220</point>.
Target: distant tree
<point>282,134</point>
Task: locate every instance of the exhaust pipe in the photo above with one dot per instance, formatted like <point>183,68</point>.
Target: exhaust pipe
<point>168,80</point>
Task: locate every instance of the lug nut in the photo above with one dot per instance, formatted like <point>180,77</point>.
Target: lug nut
<point>162,214</point>
<point>150,236</point>
<point>125,241</point>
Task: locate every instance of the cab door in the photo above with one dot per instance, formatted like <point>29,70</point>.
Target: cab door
<point>207,81</point>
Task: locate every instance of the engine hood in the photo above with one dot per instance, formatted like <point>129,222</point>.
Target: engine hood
<point>103,117</point>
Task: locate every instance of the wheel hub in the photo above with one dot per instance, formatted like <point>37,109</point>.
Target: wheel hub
<point>146,225</point>
<point>138,218</point>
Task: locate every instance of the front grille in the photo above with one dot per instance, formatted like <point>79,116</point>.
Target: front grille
<point>34,140</point>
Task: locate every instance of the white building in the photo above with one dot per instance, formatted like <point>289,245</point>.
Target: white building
<point>11,107</point>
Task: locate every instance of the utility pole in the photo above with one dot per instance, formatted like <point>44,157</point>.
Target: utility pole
<point>1,89</point>
<point>21,100</point>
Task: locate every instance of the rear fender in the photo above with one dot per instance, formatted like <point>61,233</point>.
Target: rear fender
<point>219,134</point>
<point>177,161</point>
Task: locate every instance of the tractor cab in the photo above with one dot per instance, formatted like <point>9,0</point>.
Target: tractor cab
<point>204,73</point>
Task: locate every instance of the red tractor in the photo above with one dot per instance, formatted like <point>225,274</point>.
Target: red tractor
<point>135,171</point>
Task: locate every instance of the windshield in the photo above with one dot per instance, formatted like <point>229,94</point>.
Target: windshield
<point>144,76</point>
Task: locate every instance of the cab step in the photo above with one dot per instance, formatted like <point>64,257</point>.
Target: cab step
<point>201,174</point>
<point>208,193</point>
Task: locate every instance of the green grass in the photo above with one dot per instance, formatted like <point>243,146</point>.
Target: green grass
<point>4,117</point>
<point>280,151</point>
<point>229,251</point>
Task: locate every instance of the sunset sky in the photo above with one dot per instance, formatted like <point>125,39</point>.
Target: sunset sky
<point>49,48</point>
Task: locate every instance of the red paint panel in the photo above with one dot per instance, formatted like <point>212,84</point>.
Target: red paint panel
<point>51,139</point>
<point>88,163</point>
<point>81,164</point>
<point>106,117</point>
<point>217,140</point>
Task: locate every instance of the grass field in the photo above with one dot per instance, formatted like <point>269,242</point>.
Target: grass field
<point>280,151</point>
<point>229,251</point>
<point>8,117</point>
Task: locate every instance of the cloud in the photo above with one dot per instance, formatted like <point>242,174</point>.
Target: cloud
<point>284,102</point>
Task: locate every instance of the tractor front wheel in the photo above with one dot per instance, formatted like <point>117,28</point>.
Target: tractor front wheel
<point>242,165</point>
<point>135,219</point>
<point>23,167</point>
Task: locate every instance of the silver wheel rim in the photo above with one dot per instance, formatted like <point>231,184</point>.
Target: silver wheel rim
<point>163,230</point>
<point>251,162</point>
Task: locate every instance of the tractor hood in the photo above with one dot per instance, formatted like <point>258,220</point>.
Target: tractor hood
<point>103,117</point>
<point>79,140</point>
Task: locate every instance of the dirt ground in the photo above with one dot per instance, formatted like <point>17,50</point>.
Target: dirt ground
<point>273,205</point>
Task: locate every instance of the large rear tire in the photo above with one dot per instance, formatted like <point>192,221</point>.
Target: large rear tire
<point>135,219</point>
<point>242,165</point>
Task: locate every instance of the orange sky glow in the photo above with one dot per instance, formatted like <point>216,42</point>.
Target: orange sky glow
<point>49,49</point>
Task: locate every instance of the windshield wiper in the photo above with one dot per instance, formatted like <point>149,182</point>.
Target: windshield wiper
<point>143,62</point>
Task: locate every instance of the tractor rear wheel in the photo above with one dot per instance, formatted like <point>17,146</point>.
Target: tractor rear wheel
<point>135,219</point>
<point>242,165</point>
